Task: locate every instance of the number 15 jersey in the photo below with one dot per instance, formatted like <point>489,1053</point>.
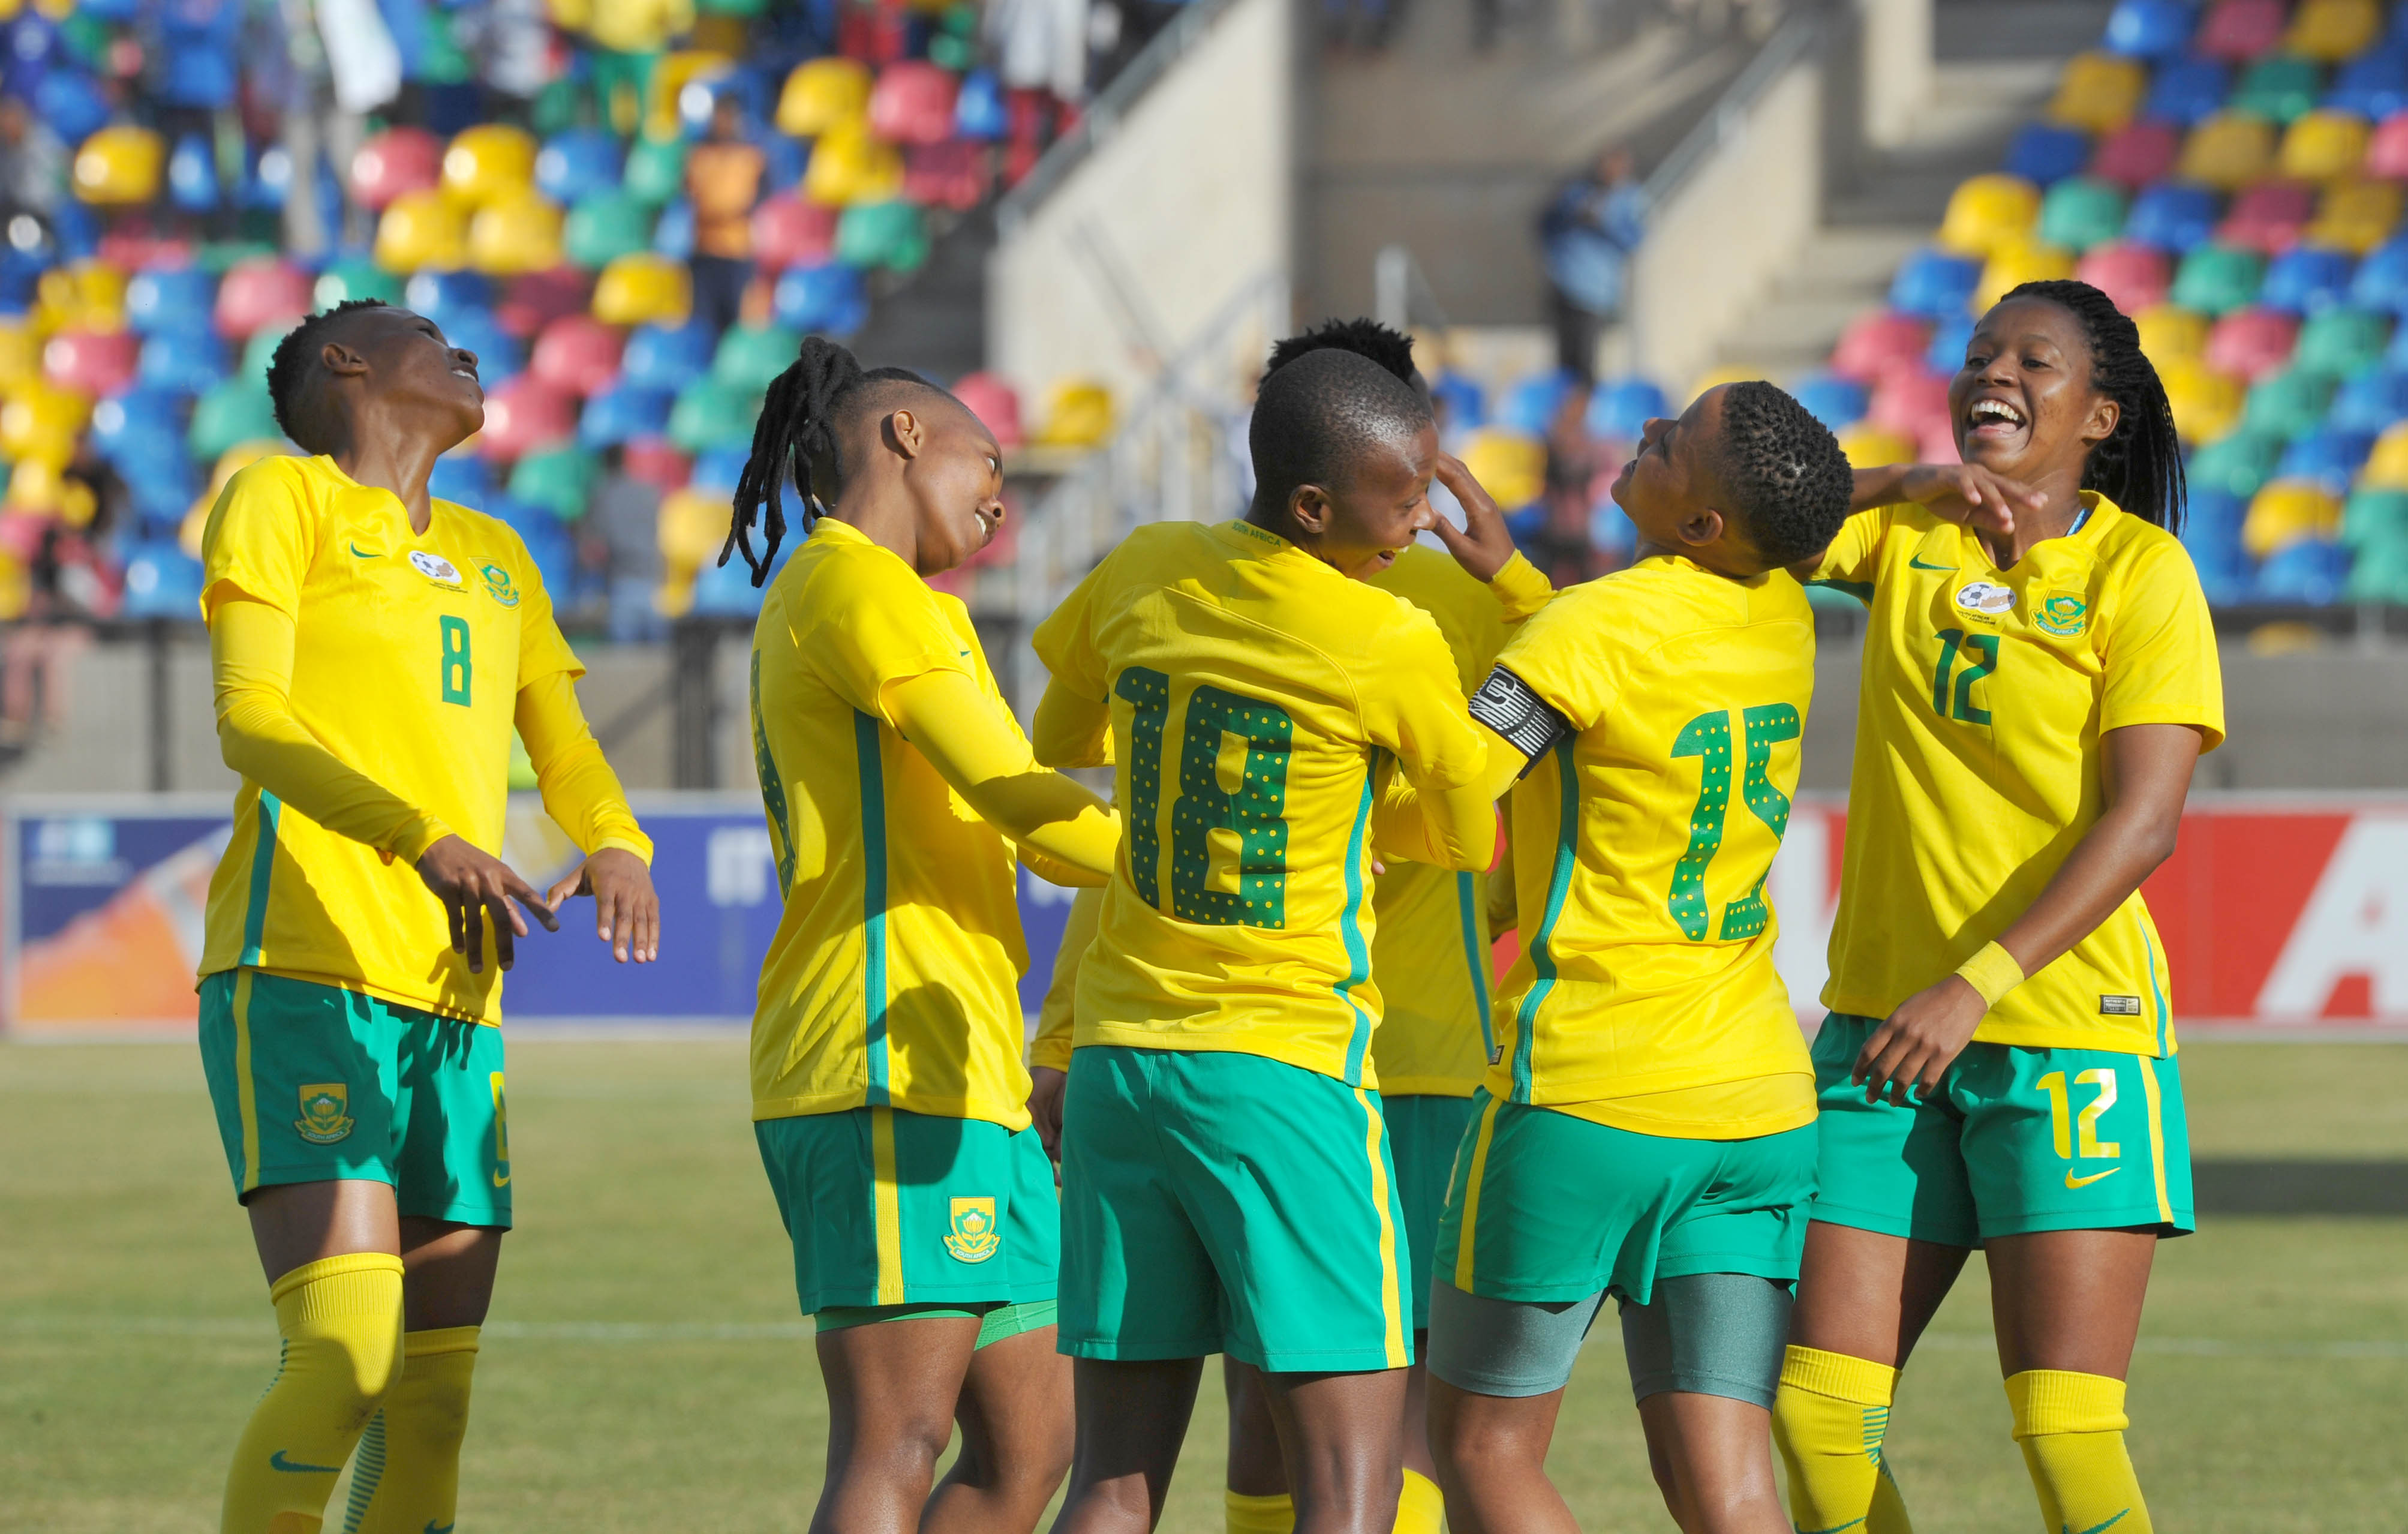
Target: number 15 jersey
<point>1257,699</point>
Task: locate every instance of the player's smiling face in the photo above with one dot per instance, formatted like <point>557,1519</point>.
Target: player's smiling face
<point>1360,527</point>
<point>955,481</point>
<point>2024,405</point>
<point>412,362</point>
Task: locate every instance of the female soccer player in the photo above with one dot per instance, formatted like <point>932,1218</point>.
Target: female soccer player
<point>888,1096</point>
<point>372,649</point>
<point>1998,1068</point>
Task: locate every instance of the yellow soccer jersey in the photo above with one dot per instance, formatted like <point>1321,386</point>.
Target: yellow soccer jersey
<point>1645,998</point>
<point>1978,762</point>
<point>1431,955</point>
<point>1256,697</point>
<point>408,653</point>
<point>892,980</point>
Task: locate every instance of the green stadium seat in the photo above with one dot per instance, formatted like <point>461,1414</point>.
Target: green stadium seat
<point>750,356</point>
<point>2288,404</point>
<point>2237,465</point>
<point>600,230</point>
<point>2217,278</point>
<point>2375,518</point>
<point>887,233</point>
<point>2341,341</point>
<point>2379,575</point>
<point>557,478</point>
<point>711,414</point>
<point>237,410</point>
<point>2278,87</point>
<point>2080,212</point>
<point>655,170</point>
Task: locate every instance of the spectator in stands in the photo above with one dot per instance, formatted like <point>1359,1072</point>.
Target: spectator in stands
<point>622,537</point>
<point>32,162</point>
<point>67,585</point>
<point>722,177</point>
<point>1586,237</point>
<point>1041,50</point>
<point>512,41</point>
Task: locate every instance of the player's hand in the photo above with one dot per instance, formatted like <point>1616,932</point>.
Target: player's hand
<point>1482,546</point>
<point>1970,495</point>
<point>626,911</point>
<point>1907,1055</point>
<point>1046,1089</point>
<point>474,884</point>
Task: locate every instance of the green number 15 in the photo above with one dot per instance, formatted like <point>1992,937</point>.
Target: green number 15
<point>1708,736</point>
<point>456,661</point>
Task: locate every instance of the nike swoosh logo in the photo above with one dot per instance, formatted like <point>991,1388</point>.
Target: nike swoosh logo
<point>434,1527</point>
<point>367,553</point>
<point>501,1180</point>
<point>2073,1181</point>
<point>1915,563</point>
<point>1850,1524</point>
<point>2095,1528</point>
<point>277,1462</point>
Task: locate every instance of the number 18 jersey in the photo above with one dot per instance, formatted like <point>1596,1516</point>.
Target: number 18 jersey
<point>1645,996</point>
<point>1256,697</point>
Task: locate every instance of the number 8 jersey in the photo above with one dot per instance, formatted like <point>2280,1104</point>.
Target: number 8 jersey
<point>1645,996</point>
<point>1257,698</point>
<point>1978,766</point>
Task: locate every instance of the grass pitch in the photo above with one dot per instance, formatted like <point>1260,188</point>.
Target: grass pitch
<point>644,1367</point>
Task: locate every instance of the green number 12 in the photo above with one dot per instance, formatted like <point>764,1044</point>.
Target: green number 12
<point>456,661</point>
<point>1981,654</point>
<point>1708,736</point>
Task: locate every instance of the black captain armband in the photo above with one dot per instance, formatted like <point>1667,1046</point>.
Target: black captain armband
<point>1506,703</point>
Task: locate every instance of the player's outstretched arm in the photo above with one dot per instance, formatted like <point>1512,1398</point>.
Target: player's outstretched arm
<point>1070,729</point>
<point>583,793</point>
<point>976,747</point>
<point>1485,548</point>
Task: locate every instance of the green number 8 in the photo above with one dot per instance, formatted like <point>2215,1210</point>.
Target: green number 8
<point>456,668</point>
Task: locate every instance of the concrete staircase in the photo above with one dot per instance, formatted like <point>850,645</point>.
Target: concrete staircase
<point>1997,65</point>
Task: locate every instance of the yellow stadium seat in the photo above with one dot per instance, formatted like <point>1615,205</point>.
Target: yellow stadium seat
<point>2228,152</point>
<point>21,354</point>
<point>1987,211</point>
<point>2356,216</point>
<point>16,587</point>
<point>693,529</point>
<point>421,229</point>
<point>2168,332</point>
<point>2324,145</point>
<point>670,77</point>
<point>820,94</point>
<point>487,162</point>
<point>2099,92</point>
<point>2017,263</point>
<point>1512,467</point>
<point>643,289</point>
<point>84,295</point>
<point>41,420</point>
<point>1714,378</point>
<point>519,232</point>
<point>2329,31</point>
<point>2287,512</point>
<point>1078,414</point>
<point>34,486</point>
<point>851,164</point>
<point>119,164</point>
<point>2206,403</point>
<point>2386,467</point>
<point>1869,446</point>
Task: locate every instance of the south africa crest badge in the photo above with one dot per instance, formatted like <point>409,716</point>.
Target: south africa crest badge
<point>324,1117</point>
<point>973,1237</point>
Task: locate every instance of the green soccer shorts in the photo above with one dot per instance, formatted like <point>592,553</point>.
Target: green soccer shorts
<point>2014,1140</point>
<point>886,1207</point>
<point>313,1083</point>
<point>1424,1131</point>
<point>1219,1202</point>
<point>1547,1207</point>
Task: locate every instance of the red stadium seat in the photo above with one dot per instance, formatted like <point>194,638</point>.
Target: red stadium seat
<point>1878,344</point>
<point>954,174</point>
<point>2240,30</point>
<point>788,231</point>
<point>91,363</point>
<point>2251,343</point>
<point>2387,152</point>
<point>993,402</point>
<point>2136,277</point>
<point>2269,217</point>
<point>912,103</point>
<point>578,354</point>
<point>2137,154</point>
<point>535,300</point>
<point>653,461</point>
<point>525,414</point>
<point>395,160</point>
<point>1913,403</point>
<point>261,292</point>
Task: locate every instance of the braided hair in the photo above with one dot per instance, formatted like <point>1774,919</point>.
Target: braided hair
<point>1784,472</point>
<point>799,437</point>
<point>2139,466</point>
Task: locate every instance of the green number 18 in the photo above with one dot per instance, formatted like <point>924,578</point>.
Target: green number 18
<point>1254,812</point>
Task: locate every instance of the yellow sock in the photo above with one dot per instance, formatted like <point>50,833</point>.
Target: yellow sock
<point>1259,1514</point>
<point>408,1479</point>
<point>1828,1419</point>
<point>1422,1508</point>
<point>2071,1429</point>
<point>340,1318</point>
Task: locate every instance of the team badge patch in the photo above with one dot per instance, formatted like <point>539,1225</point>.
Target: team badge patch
<point>497,585</point>
<point>1985,597</point>
<point>2063,616</point>
<point>973,1237</point>
<point>322,1120</point>
<point>434,567</point>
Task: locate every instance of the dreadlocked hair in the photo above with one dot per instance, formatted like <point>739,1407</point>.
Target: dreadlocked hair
<point>1784,471</point>
<point>1391,348</point>
<point>296,354</point>
<point>2139,466</point>
<point>798,440</point>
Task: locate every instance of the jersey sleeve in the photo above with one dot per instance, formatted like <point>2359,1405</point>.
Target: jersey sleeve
<point>2160,650</point>
<point>882,625</point>
<point>1853,558</point>
<point>259,540</point>
<point>1564,653</point>
<point>1521,588</point>
<point>1066,640</point>
<point>1421,711</point>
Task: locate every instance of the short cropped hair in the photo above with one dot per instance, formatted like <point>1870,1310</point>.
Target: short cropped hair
<point>1391,348</point>
<point>1784,472</point>
<point>298,410</point>
<point>1319,417</point>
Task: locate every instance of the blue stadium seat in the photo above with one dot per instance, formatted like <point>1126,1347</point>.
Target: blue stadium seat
<point>2382,278</point>
<point>462,478</point>
<point>499,354</point>
<point>439,295</point>
<point>2305,279</point>
<point>2373,85</point>
<point>1466,404</point>
<point>144,422</point>
<point>659,358</point>
<point>71,102</point>
<point>1531,405</point>
<point>1620,409</point>
<point>827,298</point>
<point>1946,353</point>
<point>161,581</point>
<point>726,591</point>
<point>578,164</point>
<point>2370,401</point>
<point>2311,573</point>
<point>2188,91</point>
<point>186,358</point>
<point>2149,29</point>
<point>192,175</point>
<point>673,235</point>
<point>720,467</point>
<point>1834,401</point>
<point>622,414</point>
<point>783,160</point>
<point>2042,152</point>
<point>2328,455</point>
<point>176,297</point>
<point>551,546</point>
<point>165,489</point>
<point>1934,284</point>
<point>2172,216</point>
<point>978,108</point>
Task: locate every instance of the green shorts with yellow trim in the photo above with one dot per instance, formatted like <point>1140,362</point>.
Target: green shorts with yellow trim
<point>1547,1207</point>
<point>2014,1140</point>
<point>1219,1202</point>
<point>1424,1131</point>
<point>886,1207</point>
<point>314,1083</point>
